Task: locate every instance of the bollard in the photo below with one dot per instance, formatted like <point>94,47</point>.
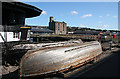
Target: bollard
<point>110,45</point>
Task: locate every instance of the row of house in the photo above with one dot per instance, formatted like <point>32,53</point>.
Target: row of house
<point>61,28</point>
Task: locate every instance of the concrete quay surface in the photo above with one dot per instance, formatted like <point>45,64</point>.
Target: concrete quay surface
<point>108,66</point>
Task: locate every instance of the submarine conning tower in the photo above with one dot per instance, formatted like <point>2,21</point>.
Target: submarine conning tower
<point>14,14</point>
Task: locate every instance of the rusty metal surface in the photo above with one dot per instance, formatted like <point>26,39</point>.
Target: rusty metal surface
<point>52,59</point>
<point>40,45</point>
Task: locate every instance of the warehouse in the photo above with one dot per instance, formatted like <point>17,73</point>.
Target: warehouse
<point>57,27</point>
<point>78,32</point>
<point>41,31</point>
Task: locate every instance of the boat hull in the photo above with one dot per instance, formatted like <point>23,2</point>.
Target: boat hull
<point>58,59</point>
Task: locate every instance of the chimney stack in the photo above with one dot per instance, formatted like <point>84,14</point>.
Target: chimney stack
<point>51,19</point>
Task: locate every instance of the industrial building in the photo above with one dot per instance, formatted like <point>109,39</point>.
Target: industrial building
<point>13,20</point>
<point>41,31</point>
<point>57,27</point>
<point>79,32</point>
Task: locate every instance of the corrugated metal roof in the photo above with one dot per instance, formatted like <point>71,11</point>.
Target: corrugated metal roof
<point>86,32</point>
<point>42,30</point>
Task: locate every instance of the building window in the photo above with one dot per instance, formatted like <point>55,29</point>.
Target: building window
<point>15,35</point>
<point>58,26</point>
<point>63,27</point>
